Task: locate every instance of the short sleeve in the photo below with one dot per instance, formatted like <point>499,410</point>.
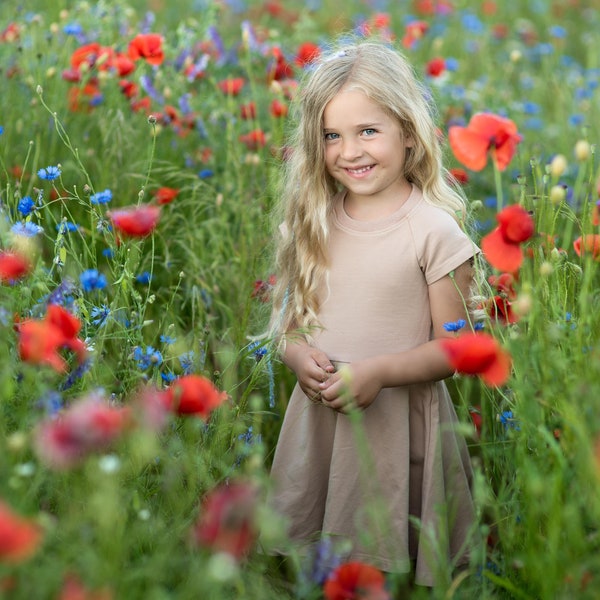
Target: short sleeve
<point>440,243</point>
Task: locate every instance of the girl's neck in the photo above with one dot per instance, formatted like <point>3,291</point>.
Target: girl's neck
<point>361,208</point>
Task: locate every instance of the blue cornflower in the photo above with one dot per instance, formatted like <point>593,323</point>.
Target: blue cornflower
<point>205,173</point>
<point>1,130</point>
<point>26,205</point>
<point>472,23</point>
<point>507,419</point>
<point>73,29</point>
<point>51,403</point>
<point>168,377</point>
<point>76,374</point>
<point>558,32</point>
<point>186,360</point>
<point>49,173</point>
<point>100,315</point>
<point>144,278</point>
<point>257,349</point>
<point>149,357</point>
<point>108,252</point>
<point>26,229</point>
<point>323,560</point>
<point>479,326</point>
<point>66,227</point>
<point>101,197</point>
<point>167,339</point>
<point>454,325</point>
<point>92,280</point>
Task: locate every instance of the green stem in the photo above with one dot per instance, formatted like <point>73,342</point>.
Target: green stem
<point>498,183</point>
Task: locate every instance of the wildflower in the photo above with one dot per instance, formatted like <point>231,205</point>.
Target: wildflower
<point>355,581</point>
<point>435,67</point>
<point>227,520</point>
<point>262,289</point>
<point>87,426</point>
<point>26,229</point>
<point>478,354</point>
<point>101,197</point>
<point>186,361</point>
<point>148,358</point>
<point>92,280</point>
<point>254,139</point>
<point>74,589</point>
<point>306,53</point>
<point>66,227</point>
<point>49,173</point>
<point>144,278</point>
<point>195,395</point>
<point>500,309</point>
<point>99,315</point>
<point>508,421</point>
<point>167,339</point>
<point>26,205</point>
<point>165,195</point>
<point>13,266</point>
<point>485,133</point>
<point>19,537</point>
<point>136,222</point>
<point>147,46</point>
<point>455,326</point>
<point>588,245</point>
<point>415,30</point>
<point>460,175</point>
<point>278,109</point>
<point>502,247</point>
<point>248,111</point>
<point>206,173</point>
<point>40,340</point>
<point>323,561</point>
<point>231,86</point>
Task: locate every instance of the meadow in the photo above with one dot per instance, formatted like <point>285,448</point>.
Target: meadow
<point>140,146</point>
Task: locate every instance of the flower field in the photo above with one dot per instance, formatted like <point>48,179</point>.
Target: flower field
<point>140,145</point>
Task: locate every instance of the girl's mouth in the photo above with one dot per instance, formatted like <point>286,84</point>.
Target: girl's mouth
<point>360,170</point>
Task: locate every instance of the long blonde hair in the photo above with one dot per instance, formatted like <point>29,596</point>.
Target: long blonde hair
<point>384,76</point>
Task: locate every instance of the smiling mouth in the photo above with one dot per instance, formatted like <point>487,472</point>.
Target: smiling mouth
<point>360,171</point>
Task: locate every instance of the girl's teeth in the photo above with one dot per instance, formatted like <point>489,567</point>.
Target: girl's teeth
<point>357,171</point>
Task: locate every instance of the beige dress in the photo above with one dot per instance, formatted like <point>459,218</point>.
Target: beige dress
<point>365,481</point>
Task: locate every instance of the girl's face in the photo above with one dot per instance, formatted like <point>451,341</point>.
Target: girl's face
<point>365,151</point>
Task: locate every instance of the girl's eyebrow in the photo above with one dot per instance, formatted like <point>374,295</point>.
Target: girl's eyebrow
<point>358,126</point>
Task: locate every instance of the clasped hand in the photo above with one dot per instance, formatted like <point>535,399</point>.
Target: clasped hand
<point>340,391</point>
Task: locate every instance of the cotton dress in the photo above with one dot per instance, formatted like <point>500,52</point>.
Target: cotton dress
<point>361,481</point>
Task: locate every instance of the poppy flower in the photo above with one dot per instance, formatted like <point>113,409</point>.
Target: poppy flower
<point>19,537</point>
<point>306,54</point>
<point>40,340</point>
<point>278,109</point>
<point>231,86</point>
<point>87,54</point>
<point>485,133</point>
<point>74,589</point>
<point>460,175</point>
<point>147,46</point>
<point>414,31</point>
<point>165,195</point>
<point>13,266</point>
<point>87,426</point>
<point>502,246</point>
<point>504,284</point>
<point>435,67</point>
<point>478,354</point>
<point>227,520</point>
<point>138,221</point>
<point>195,395</point>
<point>355,581</point>
<point>280,68</point>
<point>10,33</point>
<point>122,64</point>
<point>588,244</point>
<point>500,308</point>
<point>253,140</point>
<point>248,111</point>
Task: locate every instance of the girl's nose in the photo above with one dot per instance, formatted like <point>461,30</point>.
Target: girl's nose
<point>351,149</point>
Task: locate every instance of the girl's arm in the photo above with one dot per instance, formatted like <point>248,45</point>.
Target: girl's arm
<point>427,362</point>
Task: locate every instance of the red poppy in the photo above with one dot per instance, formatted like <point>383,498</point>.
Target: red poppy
<point>195,395</point>
<point>227,521</point>
<point>83,99</point>
<point>74,589</point>
<point>502,246</point>
<point>248,111</point>
<point>87,426</point>
<point>355,581</point>
<point>478,354</point>
<point>278,109</point>
<point>307,53</point>
<point>87,54</point>
<point>281,68</point>
<point>433,7</point>
<point>138,221</point>
<point>10,33</point>
<point>19,537</point>
<point>231,86</point>
<point>500,308</point>
<point>262,289</point>
<point>435,67</point>
<point>13,266</point>
<point>165,195</point>
<point>460,175</point>
<point>588,244</point>
<point>122,64</point>
<point>40,340</point>
<point>504,284</point>
<point>147,46</point>
<point>414,31</point>
<point>476,419</point>
<point>485,133</point>
<point>129,88</point>
<point>253,140</point>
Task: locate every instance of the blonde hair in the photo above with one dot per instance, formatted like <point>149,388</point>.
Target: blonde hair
<point>385,77</point>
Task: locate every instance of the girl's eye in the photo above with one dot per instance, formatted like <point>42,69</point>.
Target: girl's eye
<point>369,131</point>
<point>331,136</point>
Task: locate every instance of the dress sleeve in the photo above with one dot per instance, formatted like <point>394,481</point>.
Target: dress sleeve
<point>441,244</point>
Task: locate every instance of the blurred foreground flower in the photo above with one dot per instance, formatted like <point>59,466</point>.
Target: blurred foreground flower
<point>87,426</point>
<point>485,133</point>
<point>19,537</point>
<point>40,340</point>
<point>356,581</point>
<point>138,221</point>
<point>478,354</point>
<point>502,246</point>
<point>227,520</point>
<point>13,266</point>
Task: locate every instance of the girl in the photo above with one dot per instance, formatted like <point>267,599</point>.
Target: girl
<point>372,263</point>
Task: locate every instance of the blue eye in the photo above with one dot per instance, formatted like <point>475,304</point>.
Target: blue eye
<point>369,131</point>
<point>331,136</point>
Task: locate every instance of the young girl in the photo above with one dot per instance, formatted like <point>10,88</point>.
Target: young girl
<point>372,263</point>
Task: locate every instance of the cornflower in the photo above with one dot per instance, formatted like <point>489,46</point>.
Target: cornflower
<point>92,280</point>
<point>101,197</point>
<point>49,173</point>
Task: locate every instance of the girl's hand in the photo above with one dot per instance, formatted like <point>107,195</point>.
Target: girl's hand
<point>311,366</point>
<point>357,388</point>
